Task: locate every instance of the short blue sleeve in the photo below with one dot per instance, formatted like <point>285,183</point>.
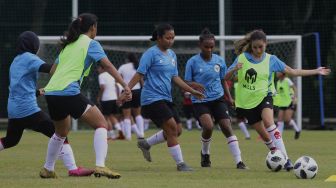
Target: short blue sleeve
<point>57,60</point>
<point>145,62</point>
<point>188,71</point>
<point>276,65</point>
<point>35,64</point>
<point>95,51</point>
<point>233,64</point>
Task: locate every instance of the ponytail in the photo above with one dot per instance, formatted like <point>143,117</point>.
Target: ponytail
<point>77,27</point>
<point>132,57</point>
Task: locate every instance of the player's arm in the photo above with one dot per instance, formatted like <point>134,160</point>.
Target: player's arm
<point>227,92</point>
<point>179,82</point>
<point>232,71</point>
<point>45,68</point>
<point>301,72</point>
<point>136,78</point>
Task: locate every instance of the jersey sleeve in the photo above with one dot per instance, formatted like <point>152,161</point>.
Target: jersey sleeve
<point>188,71</point>
<point>145,62</point>
<point>276,65</point>
<point>96,51</point>
<point>36,63</point>
<point>56,60</point>
<point>233,64</point>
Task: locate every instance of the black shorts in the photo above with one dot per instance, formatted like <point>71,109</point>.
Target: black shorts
<point>61,106</point>
<point>159,112</point>
<point>135,102</point>
<point>217,108</point>
<point>109,107</point>
<point>253,115</point>
<point>188,111</point>
<point>291,106</point>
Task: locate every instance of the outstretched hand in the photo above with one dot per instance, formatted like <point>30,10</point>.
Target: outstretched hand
<point>323,71</point>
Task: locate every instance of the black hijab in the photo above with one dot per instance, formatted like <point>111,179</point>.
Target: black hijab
<point>27,42</point>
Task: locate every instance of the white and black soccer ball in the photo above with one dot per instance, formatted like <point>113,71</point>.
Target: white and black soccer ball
<point>305,168</point>
<point>275,160</point>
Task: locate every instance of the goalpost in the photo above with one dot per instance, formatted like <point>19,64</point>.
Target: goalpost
<point>287,47</point>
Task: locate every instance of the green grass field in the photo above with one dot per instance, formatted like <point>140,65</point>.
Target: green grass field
<point>20,165</point>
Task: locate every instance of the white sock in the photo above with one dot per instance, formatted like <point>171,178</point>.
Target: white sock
<point>189,124</point>
<point>140,123</point>
<point>176,153</point>
<point>270,145</point>
<point>127,129</point>
<point>1,146</point>
<point>146,124</point>
<point>111,134</point>
<point>234,148</point>
<point>54,148</point>
<point>277,139</point>
<point>293,123</point>
<point>100,146</point>
<point>280,126</point>
<point>198,125</point>
<point>242,126</point>
<point>67,156</point>
<point>117,126</point>
<point>156,138</point>
<point>136,131</point>
<point>205,145</point>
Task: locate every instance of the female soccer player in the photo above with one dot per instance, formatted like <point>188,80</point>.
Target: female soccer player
<point>131,110</point>
<point>107,98</point>
<point>158,67</point>
<point>285,100</point>
<point>23,111</point>
<point>208,69</point>
<point>254,68</point>
<point>63,96</point>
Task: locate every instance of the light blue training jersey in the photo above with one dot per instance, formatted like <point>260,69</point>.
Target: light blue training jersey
<point>208,73</point>
<point>23,75</point>
<point>95,53</point>
<point>158,70</point>
<point>276,65</point>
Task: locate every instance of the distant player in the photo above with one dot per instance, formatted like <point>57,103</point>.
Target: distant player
<point>107,98</point>
<point>23,110</point>
<point>254,68</point>
<point>158,68</point>
<point>206,71</point>
<point>285,100</point>
<point>131,110</point>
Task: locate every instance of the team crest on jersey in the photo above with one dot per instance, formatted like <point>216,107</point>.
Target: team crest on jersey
<point>217,68</point>
<point>173,62</point>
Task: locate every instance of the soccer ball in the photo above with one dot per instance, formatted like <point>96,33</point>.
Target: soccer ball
<point>305,168</point>
<point>275,160</point>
